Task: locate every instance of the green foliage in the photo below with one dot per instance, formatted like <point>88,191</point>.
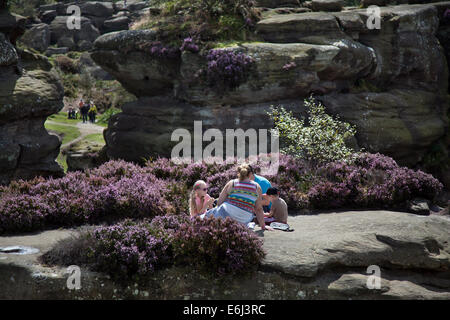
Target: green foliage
<point>70,82</point>
<point>86,83</point>
<point>205,20</point>
<point>104,118</point>
<point>66,64</point>
<point>68,133</point>
<point>322,141</point>
<point>26,7</point>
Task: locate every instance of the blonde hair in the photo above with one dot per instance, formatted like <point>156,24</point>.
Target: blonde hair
<point>244,171</point>
<point>196,186</point>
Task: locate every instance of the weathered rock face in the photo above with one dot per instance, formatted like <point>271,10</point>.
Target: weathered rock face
<point>38,37</point>
<point>391,83</point>
<point>326,257</point>
<point>97,17</point>
<point>29,92</point>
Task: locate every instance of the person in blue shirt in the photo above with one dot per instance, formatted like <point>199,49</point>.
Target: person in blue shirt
<point>264,184</point>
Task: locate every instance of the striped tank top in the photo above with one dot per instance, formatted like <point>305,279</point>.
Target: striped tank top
<point>243,195</point>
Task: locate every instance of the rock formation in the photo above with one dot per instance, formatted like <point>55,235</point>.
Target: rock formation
<point>392,83</point>
<point>326,257</point>
<point>30,91</point>
<point>97,17</point>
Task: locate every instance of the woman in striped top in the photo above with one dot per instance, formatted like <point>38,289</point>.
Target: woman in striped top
<point>240,200</point>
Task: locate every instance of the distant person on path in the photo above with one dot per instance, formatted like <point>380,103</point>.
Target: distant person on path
<point>240,200</point>
<point>84,110</point>
<point>279,209</point>
<point>70,113</point>
<point>200,200</point>
<point>92,112</point>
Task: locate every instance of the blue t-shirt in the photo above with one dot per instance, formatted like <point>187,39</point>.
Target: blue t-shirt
<point>264,184</point>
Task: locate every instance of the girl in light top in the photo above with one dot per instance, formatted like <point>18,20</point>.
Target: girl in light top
<point>200,200</point>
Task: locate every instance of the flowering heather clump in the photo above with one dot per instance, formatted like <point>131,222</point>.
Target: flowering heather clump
<point>222,246</point>
<point>375,161</point>
<point>227,68</point>
<point>158,50</point>
<point>217,181</point>
<point>119,189</point>
<point>21,213</point>
<point>372,180</point>
<point>189,45</point>
<point>140,196</point>
<point>289,66</point>
<point>116,189</point>
<point>116,170</point>
<point>166,226</point>
<point>128,250</point>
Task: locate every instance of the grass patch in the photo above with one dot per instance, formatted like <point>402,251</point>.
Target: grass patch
<point>95,138</point>
<point>62,161</point>
<point>68,133</point>
<point>61,117</point>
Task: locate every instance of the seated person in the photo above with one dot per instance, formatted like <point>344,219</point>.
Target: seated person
<point>279,210</point>
<point>200,201</point>
<point>264,184</point>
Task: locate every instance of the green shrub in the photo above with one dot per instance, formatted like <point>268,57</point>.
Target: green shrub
<point>66,64</point>
<point>321,141</point>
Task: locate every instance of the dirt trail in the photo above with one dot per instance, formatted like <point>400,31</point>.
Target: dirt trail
<point>84,128</point>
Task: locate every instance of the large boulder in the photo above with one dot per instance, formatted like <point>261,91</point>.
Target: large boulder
<point>48,16</point>
<point>299,27</point>
<point>327,5</point>
<point>117,24</point>
<point>97,8</point>
<point>137,70</point>
<point>314,67</point>
<point>38,37</point>
<point>401,123</point>
<point>12,26</point>
<point>30,90</point>
<point>59,29</point>
<point>277,3</point>
<point>87,64</point>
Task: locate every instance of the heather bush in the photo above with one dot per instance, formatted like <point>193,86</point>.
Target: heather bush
<point>128,250</point>
<point>189,45</point>
<point>134,250</point>
<point>20,213</point>
<point>220,246</point>
<point>120,189</point>
<point>115,190</point>
<point>371,180</point>
<point>227,69</point>
<point>158,50</point>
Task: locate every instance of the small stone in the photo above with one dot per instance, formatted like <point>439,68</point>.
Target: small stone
<point>301,294</point>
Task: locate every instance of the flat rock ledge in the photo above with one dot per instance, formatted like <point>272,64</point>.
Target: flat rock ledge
<point>326,257</point>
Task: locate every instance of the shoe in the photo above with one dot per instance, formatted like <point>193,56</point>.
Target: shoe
<point>280,226</point>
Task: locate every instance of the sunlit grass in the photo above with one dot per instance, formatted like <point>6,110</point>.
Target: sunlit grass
<point>67,133</point>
